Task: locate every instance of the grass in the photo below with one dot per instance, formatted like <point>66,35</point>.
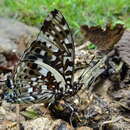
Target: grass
<point>77,12</point>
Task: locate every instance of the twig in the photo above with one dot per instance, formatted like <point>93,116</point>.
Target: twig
<point>18,116</point>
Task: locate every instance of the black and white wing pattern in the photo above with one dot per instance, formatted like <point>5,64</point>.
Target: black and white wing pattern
<point>45,71</point>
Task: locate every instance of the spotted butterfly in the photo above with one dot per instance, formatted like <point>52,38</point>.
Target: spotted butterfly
<point>45,71</point>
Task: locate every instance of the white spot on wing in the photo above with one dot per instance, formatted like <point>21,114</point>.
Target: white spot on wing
<point>12,85</point>
<point>68,81</point>
<point>42,53</point>
<point>48,45</point>
<point>69,68</point>
<point>65,27</point>
<point>39,77</point>
<point>61,69</point>
<point>27,86</point>
<point>33,79</point>
<point>57,28</point>
<point>66,41</point>
<point>44,71</point>
<point>44,87</point>
<point>68,76</point>
<point>53,32</point>
<point>55,50</point>
<point>58,18</point>
<point>30,90</point>
<point>53,58</point>
<point>34,83</point>
<point>51,37</point>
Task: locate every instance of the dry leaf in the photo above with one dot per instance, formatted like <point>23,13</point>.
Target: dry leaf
<point>103,39</point>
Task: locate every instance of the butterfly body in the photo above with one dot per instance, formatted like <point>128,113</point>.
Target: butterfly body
<point>45,71</point>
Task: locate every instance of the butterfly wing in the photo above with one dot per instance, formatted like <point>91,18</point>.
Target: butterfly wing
<point>57,31</point>
<point>46,67</point>
<point>35,83</point>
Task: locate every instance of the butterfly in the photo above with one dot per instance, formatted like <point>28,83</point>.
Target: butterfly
<point>45,72</point>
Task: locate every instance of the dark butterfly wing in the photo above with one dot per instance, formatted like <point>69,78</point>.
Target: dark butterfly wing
<point>46,67</point>
<point>57,31</point>
<point>35,82</point>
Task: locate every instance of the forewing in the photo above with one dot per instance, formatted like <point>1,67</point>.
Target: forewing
<point>57,32</point>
